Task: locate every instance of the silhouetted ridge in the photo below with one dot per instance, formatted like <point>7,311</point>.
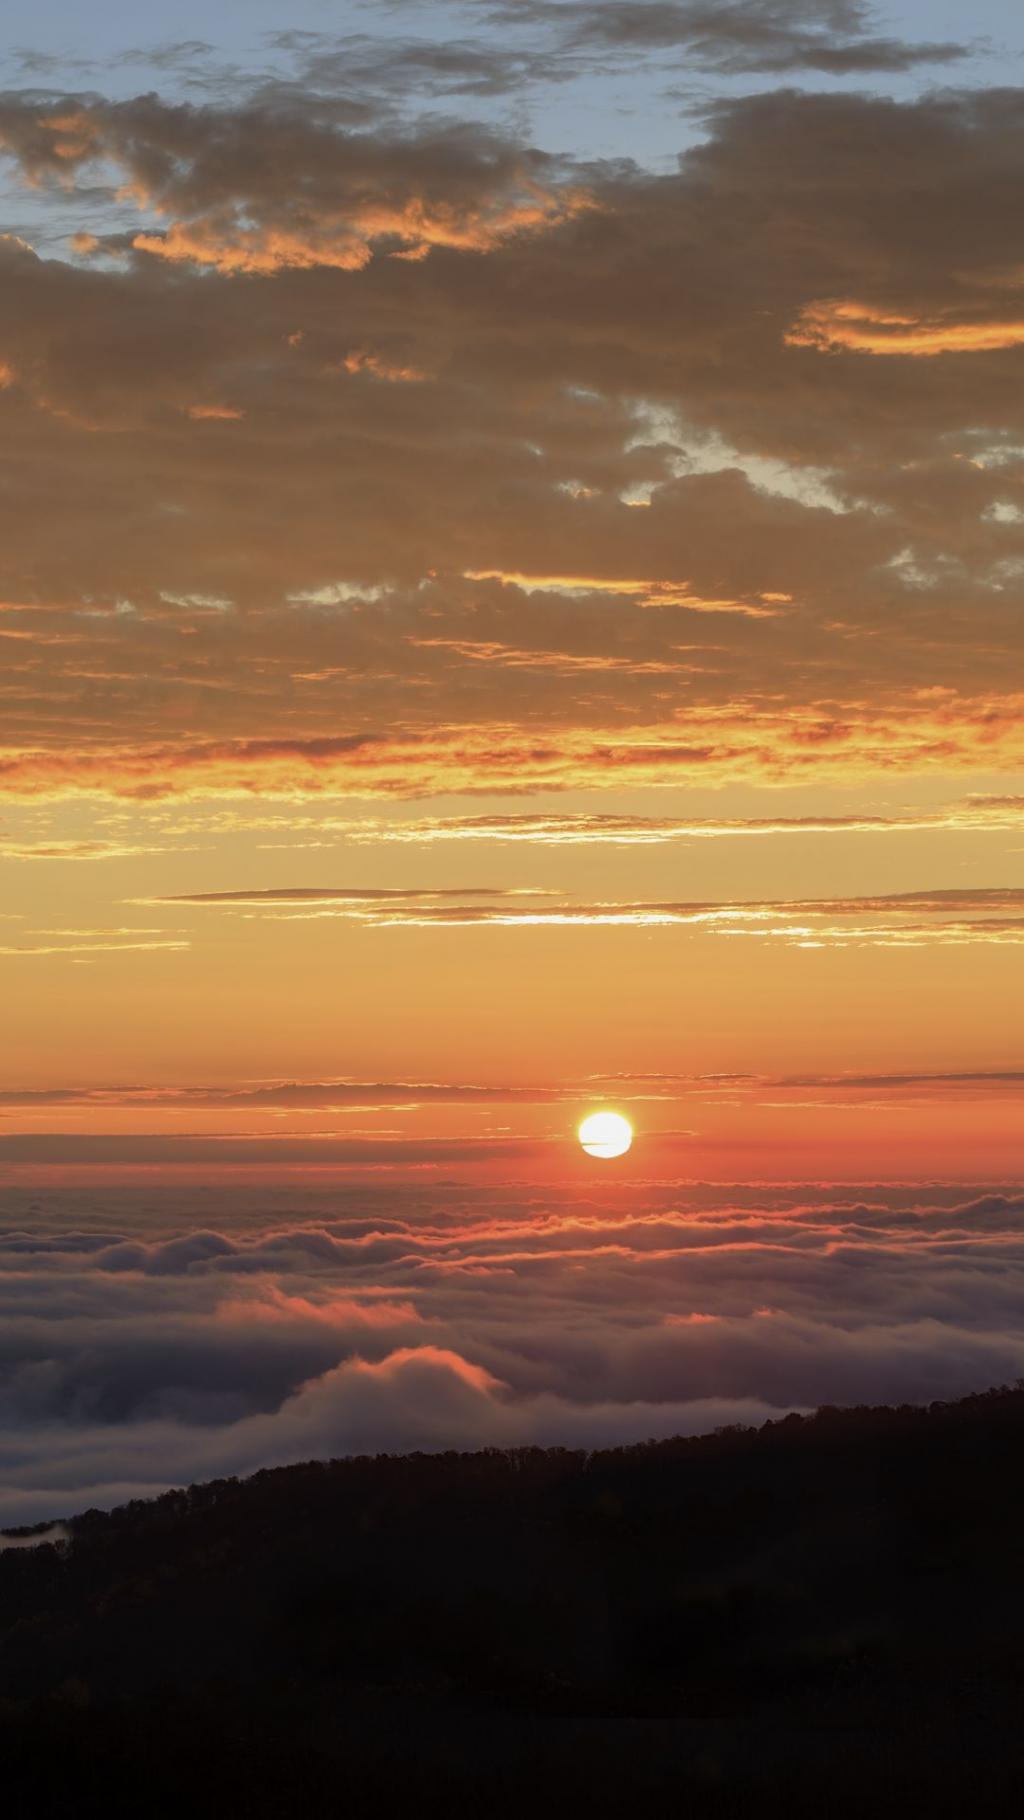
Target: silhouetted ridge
<point>820,1614</point>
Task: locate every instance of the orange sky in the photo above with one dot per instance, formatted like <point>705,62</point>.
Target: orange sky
<point>511,576</point>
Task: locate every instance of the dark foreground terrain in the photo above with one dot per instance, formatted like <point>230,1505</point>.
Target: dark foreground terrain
<point>824,1616</point>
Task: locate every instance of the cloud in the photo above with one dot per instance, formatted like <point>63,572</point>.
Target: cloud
<point>979,1078</point>
<point>40,1538</point>
<point>862,330</point>
<point>140,1347</point>
<point>333,1095</point>
<point>597,829</point>
<point>391,68</point>
<point>378,1152</point>
<point>379,366</point>
<point>267,191</point>
<point>621,536</point>
<point>339,894</point>
<point>948,736</point>
<point>73,849</point>
<point>33,950</point>
<point>277,1095</point>
<point>908,918</point>
<point>216,413</point>
<point>726,37</point>
<point>648,593</point>
<point>937,1083</point>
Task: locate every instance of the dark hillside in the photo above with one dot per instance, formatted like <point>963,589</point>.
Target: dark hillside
<point>825,1615</point>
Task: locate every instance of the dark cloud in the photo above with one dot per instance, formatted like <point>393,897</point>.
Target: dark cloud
<point>180,53</point>
<point>726,37</point>
<point>360,78</point>
<point>261,189</point>
<point>407,71</point>
<point>751,36</point>
<point>383,530</point>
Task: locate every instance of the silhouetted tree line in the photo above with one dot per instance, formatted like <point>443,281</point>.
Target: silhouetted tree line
<point>825,1615</point>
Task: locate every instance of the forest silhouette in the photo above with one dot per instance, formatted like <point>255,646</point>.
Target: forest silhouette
<point>824,1615</point>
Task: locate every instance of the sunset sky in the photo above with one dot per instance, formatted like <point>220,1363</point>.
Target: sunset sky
<point>512,543</point>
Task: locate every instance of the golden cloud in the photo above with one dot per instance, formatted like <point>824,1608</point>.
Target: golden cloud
<point>858,328</point>
<point>738,742</point>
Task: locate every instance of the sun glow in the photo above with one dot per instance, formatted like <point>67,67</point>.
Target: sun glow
<point>606,1134</point>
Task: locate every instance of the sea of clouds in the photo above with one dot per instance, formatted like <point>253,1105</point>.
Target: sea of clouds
<point>152,1336</point>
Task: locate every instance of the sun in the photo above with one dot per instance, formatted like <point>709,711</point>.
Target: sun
<point>605,1134</point>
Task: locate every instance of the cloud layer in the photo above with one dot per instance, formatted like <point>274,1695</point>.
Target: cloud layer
<point>142,1346</point>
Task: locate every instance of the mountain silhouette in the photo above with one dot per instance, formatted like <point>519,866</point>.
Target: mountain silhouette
<point>824,1615</point>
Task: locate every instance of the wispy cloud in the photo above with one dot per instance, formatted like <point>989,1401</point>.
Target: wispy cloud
<point>948,916</point>
<point>639,1087</point>
<point>281,1095</point>
<point>647,593</point>
<point>596,829</point>
<point>34,950</point>
<point>723,37</point>
<point>339,894</point>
